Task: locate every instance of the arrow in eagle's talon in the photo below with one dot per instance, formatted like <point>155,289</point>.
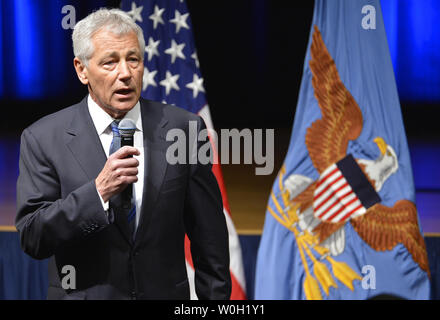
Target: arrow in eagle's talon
<point>324,256</point>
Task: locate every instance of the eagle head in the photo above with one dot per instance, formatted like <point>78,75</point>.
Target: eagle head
<point>384,166</point>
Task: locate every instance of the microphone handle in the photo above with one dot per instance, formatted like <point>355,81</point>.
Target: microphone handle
<point>127,193</point>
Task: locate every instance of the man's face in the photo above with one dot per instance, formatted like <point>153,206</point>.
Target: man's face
<point>115,71</point>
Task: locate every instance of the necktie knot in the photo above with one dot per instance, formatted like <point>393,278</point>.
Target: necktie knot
<point>114,126</point>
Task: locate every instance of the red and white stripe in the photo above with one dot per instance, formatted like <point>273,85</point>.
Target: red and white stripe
<point>334,200</point>
<point>236,263</point>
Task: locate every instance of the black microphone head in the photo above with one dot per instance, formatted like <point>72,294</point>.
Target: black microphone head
<point>127,127</point>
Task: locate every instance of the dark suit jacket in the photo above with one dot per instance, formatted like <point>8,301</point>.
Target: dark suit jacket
<point>60,215</point>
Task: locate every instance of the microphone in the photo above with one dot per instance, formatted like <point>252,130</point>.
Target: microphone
<point>126,131</point>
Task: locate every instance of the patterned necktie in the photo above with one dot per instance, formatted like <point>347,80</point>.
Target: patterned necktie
<point>131,207</point>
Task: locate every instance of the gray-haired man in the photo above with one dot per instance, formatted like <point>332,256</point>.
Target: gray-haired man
<point>70,185</point>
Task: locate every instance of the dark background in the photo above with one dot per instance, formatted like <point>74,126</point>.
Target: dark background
<point>251,56</point>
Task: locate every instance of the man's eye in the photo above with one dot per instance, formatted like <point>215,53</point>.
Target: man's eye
<point>134,62</point>
<point>109,65</point>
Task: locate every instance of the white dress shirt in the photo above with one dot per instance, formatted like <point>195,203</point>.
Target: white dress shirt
<point>102,121</point>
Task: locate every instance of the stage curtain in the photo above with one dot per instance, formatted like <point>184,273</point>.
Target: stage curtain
<point>21,277</point>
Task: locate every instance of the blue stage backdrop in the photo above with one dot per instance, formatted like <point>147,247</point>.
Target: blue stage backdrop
<point>21,277</point>
<point>414,41</point>
<point>35,48</point>
<point>31,36</point>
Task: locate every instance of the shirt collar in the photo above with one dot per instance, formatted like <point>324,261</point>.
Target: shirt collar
<point>102,119</point>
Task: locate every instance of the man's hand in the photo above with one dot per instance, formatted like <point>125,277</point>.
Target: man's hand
<point>118,172</point>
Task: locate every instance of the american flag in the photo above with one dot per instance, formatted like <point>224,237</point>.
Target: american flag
<point>172,75</point>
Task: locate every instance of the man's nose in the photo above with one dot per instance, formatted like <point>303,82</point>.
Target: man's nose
<point>124,71</point>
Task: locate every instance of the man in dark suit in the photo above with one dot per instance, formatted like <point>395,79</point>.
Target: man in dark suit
<point>69,191</point>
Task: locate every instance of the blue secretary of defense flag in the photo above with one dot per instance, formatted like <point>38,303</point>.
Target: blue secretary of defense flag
<point>341,220</point>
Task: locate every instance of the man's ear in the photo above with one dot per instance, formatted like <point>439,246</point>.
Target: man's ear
<point>81,71</point>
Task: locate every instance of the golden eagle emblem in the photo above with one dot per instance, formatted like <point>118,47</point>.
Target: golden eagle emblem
<point>319,233</point>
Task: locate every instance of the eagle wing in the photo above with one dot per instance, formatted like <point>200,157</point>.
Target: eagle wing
<point>382,228</point>
<point>327,138</point>
<point>305,198</point>
<point>326,229</point>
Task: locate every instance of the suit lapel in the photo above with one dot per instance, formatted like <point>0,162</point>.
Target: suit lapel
<point>87,149</point>
<point>155,145</point>
<point>85,144</point>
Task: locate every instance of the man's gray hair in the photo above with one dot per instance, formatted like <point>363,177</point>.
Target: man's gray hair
<point>114,20</point>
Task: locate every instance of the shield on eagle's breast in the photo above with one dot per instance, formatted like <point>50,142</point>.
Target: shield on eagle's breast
<point>343,192</point>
